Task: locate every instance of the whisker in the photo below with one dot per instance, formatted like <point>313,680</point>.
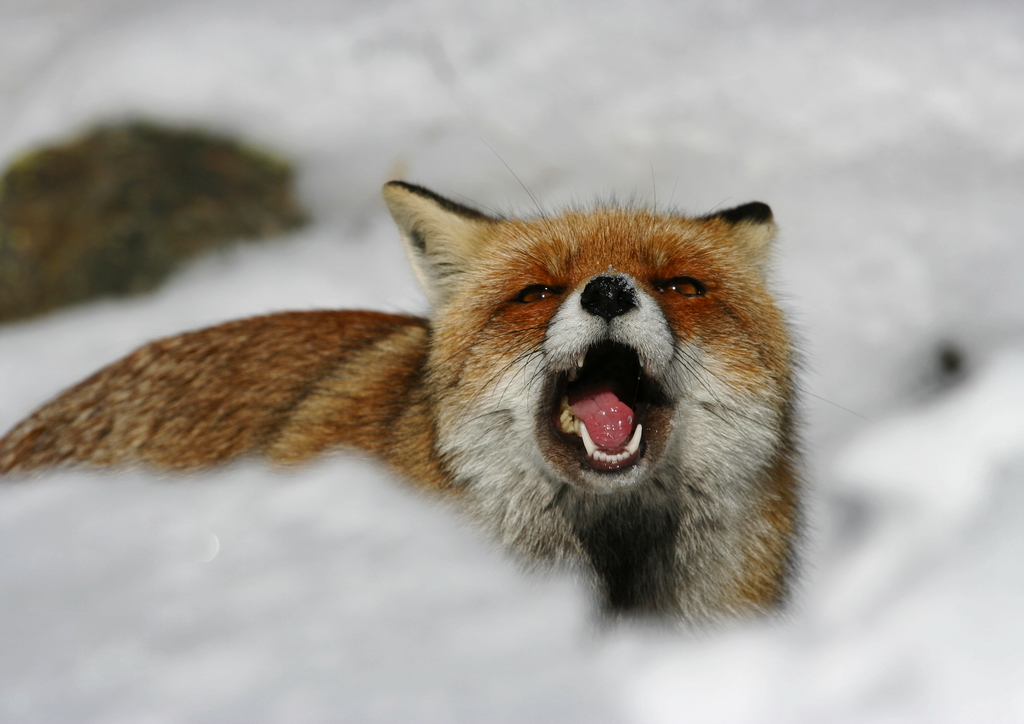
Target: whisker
<point>836,404</point>
<point>523,358</point>
<point>527,190</point>
<point>697,370</point>
<point>489,413</point>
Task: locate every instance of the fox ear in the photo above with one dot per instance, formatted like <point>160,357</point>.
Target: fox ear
<point>441,237</point>
<point>753,228</point>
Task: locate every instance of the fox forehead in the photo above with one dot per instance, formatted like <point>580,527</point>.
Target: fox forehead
<point>467,260</point>
<point>572,247</point>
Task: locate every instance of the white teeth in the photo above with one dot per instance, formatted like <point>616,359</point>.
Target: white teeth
<point>579,362</point>
<point>605,457</point>
<point>634,442</point>
<point>592,450</point>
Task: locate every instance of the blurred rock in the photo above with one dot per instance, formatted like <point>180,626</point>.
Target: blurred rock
<point>115,211</point>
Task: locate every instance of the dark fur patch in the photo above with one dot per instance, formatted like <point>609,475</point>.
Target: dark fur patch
<point>631,540</point>
<point>755,212</point>
<point>418,240</point>
<point>446,204</point>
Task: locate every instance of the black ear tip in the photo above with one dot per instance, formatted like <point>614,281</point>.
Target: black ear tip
<point>393,190</point>
<point>755,212</point>
<point>446,204</point>
<point>413,188</point>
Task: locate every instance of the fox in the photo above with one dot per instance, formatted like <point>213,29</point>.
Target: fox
<point>609,390</point>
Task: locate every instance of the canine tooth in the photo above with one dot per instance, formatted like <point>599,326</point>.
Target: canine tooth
<point>587,442</point>
<point>579,362</point>
<point>634,442</point>
<point>574,373</point>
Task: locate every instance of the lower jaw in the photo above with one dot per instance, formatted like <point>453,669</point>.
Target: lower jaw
<point>585,471</point>
<point>605,482</point>
<point>613,462</point>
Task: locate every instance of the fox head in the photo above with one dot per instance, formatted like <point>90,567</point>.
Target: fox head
<point>605,351</point>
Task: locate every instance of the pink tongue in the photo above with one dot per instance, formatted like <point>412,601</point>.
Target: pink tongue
<point>608,419</point>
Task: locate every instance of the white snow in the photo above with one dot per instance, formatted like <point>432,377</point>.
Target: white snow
<point>889,140</point>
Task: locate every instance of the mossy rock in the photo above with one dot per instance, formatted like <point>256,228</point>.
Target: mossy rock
<point>115,211</point>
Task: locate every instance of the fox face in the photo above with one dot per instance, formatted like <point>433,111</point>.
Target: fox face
<point>611,363</point>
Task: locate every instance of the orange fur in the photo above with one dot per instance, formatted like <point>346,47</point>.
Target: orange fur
<point>206,397</point>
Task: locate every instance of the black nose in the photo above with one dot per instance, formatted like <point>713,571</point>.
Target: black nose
<point>608,296</point>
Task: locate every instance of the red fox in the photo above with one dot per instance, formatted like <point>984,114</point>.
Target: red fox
<point>611,390</point>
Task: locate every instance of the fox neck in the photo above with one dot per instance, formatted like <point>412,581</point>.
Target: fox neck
<point>674,543</point>
<point>630,541</point>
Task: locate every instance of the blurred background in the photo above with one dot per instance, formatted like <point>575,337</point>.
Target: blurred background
<point>888,139</point>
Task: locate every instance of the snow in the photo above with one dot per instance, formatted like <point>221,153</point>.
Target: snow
<point>887,137</point>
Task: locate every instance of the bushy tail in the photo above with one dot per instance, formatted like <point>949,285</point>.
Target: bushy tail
<point>207,396</point>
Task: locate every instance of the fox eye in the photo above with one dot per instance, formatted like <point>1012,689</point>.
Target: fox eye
<point>536,292</point>
<point>686,286</point>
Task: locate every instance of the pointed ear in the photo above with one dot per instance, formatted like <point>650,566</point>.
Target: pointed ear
<point>441,237</point>
<point>753,228</point>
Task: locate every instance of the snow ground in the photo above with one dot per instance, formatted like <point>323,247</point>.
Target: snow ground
<point>889,140</point>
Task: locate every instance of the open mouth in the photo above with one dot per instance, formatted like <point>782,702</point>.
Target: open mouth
<point>601,405</point>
